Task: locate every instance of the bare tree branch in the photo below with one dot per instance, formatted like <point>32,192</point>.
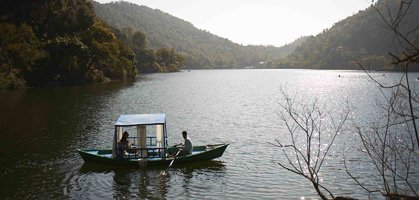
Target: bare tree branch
<point>311,141</point>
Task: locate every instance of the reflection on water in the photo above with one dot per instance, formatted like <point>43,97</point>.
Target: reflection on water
<point>137,183</point>
<point>42,128</point>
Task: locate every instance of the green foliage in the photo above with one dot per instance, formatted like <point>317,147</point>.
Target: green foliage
<point>149,60</point>
<point>200,48</point>
<point>169,60</point>
<point>59,42</point>
<point>19,50</point>
<point>109,58</point>
<point>60,17</point>
<point>138,40</point>
<point>11,79</point>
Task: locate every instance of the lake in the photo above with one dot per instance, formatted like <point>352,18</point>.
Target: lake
<point>42,128</point>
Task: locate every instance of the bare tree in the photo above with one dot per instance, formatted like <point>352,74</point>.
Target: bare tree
<point>310,140</point>
<point>393,14</point>
<point>392,140</point>
<point>390,147</point>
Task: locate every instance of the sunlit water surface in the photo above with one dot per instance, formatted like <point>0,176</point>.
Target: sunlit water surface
<point>42,128</point>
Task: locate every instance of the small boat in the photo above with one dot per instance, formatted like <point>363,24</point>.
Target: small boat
<point>149,146</point>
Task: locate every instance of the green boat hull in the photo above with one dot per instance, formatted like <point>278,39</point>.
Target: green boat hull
<point>199,154</point>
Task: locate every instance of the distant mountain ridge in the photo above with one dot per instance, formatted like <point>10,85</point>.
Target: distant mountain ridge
<point>200,48</point>
<point>361,38</point>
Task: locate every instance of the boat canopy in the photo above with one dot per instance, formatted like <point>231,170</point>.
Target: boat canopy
<point>144,144</point>
<point>140,119</point>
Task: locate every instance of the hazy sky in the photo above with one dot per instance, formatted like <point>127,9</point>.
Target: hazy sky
<point>266,22</point>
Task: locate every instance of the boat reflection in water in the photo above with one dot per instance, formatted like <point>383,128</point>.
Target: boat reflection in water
<point>146,183</point>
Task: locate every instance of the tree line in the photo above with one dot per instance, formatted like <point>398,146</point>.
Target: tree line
<point>148,59</point>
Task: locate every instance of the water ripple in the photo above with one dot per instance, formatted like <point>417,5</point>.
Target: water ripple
<point>239,107</point>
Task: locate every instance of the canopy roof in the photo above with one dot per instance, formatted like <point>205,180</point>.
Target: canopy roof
<point>140,119</point>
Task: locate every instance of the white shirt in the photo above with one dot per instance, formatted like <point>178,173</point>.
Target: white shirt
<point>188,145</point>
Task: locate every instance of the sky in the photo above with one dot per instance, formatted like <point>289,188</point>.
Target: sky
<point>259,22</point>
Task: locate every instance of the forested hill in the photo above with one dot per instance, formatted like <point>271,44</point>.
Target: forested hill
<point>63,42</point>
<point>361,38</point>
<point>200,48</point>
<point>58,42</point>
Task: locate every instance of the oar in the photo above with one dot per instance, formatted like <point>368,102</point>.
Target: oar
<point>171,163</point>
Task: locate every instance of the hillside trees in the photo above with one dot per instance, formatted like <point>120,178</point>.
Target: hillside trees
<point>362,37</point>
<point>200,49</point>
<point>68,44</point>
<point>150,60</point>
<point>169,60</point>
<point>19,51</point>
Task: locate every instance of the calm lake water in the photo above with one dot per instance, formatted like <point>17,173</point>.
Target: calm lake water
<point>42,128</point>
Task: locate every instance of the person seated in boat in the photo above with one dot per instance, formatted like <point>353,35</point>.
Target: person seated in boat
<point>123,146</point>
<point>187,148</point>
